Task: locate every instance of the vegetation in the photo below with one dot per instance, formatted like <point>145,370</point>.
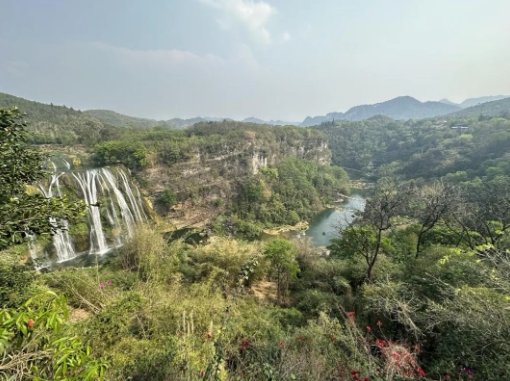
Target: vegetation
<point>416,260</point>
<point>495,108</point>
<point>32,340</point>
<point>115,119</point>
<point>119,120</point>
<point>225,155</point>
<point>56,124</point>
<point>139,149</point>
<point>461,148</point>
<point>293,191</point>
<point>167,199</point>
<point>21,214</point>
<point>416,288</point>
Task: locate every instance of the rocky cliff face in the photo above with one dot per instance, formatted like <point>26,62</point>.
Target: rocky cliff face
<point>208,181</point>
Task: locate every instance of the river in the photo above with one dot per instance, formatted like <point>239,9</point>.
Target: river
<point>327,224</point>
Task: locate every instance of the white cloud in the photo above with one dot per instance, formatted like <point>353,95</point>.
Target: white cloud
<point>286,37</point>
<point>253,16</point>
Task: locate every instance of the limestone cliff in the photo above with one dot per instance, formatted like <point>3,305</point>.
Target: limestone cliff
<point>208,181</point>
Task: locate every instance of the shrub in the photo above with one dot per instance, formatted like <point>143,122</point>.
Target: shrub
<point>166,200</point>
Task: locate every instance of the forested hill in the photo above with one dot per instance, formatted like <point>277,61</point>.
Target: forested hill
<point>271,122</point>
<point>55,124</point>
<point>50,124</point>
<point>398,108</point>
<point>470,102</point>
<point>120,120</point>
<point>466,148</point>
<point>491,109</point>
<point>478,101</point>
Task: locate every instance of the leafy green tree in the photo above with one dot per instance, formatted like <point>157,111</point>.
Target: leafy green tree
<point>367,236</point>
<point>22,214</point>
<point>364,242</point>
<point>282,255</point>
<point>32,340</point>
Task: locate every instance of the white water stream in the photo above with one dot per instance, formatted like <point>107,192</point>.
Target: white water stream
<point>111,207</point>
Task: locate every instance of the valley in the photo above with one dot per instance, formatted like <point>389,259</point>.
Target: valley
<point>224,248</point>
<point>254,190</point>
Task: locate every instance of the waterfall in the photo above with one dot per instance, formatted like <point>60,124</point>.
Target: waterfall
<point>125,211</point>
<point>113,210</point>
<point>87,183</point>
<point>62,241</point>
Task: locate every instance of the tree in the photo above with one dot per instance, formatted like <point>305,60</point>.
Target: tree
<point>32,342</point>
<point>360,241</point>
<point>388,201</point>
<point>282,256</point>
<point>365,236</point>
<point>429,204</point>
<point>21,214</point>
<point>482,215</point>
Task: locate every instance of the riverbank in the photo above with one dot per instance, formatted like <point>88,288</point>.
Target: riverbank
<point>302,225</point>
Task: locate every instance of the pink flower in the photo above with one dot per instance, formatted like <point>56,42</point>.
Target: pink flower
<point>109,283</point>
<point>101,286</point>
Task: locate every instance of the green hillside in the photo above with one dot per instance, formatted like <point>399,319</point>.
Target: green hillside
<point>494,109</point>
<point>120,120</point>
<point>55,124</point>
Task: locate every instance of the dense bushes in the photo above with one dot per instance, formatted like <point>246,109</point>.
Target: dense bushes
<point>179,312</point>
<point>426,148</point>
<point>292,191</point>
<point>417,288</point>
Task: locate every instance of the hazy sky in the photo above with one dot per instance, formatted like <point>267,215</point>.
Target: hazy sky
<point>280,59</point>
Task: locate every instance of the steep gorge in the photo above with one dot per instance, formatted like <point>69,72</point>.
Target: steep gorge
<point>209,167</point>
<point>204,179</point>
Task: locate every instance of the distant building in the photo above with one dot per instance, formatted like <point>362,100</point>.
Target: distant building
<point>459,128</point>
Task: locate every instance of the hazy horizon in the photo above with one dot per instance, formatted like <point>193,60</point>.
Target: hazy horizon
<point>271,59</point>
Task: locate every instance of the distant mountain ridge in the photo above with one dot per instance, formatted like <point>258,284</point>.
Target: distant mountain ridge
<point>405,107</point>
<point>313,121</point>
<point>270,122</point>
<point>446,101</point>
<point>475,101</point>
<point>48,120</point>
<point>492,109</point>
<point>120,120</point>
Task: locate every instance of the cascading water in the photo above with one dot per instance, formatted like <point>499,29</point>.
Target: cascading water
<point>87,183</point>
<point>112,212</point>
<point>62,241</point>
